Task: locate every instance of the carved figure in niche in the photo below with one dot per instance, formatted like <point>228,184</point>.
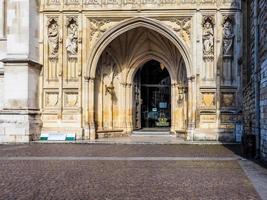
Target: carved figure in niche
<point>53,37</point>
<point>72,38</point>
<point>208,37</point>
<point>228,37</point>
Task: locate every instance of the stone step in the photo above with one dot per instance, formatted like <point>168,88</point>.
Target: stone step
<point>151,133</point>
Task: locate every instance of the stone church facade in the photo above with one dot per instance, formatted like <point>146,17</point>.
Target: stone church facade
<point>75,66</point>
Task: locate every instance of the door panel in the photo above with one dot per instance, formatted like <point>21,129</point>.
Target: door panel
<point>156,108</point>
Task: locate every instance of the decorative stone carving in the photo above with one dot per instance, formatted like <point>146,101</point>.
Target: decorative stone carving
<point>183,27</point>
<point>158,4</point>
<point>72,36</point>
<point>226,118</point>
<point>228,73</point>
<point>51,99</point>
<point>98,26</point>
<point>53,37</point>
<point>92,2</point>
<point>53,2</point>
<point>208,118</point>
<point>228,99</point>
<point>208,99</point>
<point>208,36</point>
<point>228,36</point>
<point>71,99</point>
<point>72,2</point>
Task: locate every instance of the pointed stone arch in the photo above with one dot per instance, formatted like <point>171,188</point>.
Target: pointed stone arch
<point>130,24</point>
<point>102,44</point>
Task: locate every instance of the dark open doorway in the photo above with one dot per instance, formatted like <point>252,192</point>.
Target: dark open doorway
<point>155,96</point>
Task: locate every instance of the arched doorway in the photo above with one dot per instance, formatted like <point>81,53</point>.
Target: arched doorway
<point>152,97</point>
<point>111,84</point>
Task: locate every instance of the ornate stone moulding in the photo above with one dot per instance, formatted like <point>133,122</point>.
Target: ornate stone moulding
<point>141,4</point>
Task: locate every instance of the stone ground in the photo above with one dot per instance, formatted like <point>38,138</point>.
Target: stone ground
<point>117,171</point>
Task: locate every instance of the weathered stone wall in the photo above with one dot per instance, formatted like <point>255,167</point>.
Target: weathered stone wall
<point>263,103</point>
<point>19,107</point>
<point>263,74</point>
<point>249,74</point>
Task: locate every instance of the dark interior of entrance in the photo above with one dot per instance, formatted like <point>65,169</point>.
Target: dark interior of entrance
<point>155,95</point>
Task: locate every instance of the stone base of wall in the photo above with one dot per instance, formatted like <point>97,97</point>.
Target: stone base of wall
<point>264,145</point>
<point>19,127</point>
<point>66,130</point>
<point>214,135</point>
<point>111,134</point>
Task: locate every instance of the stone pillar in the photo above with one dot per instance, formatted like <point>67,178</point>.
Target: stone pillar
<point>20,117</point>
<point>191,108</point>
<point>123,107</point>
<point>129,108</point>
<point>86,135</point>
<point>173,107</point>
<point>91,109</point>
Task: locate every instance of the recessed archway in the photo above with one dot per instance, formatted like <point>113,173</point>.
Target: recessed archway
<point>113,79</point>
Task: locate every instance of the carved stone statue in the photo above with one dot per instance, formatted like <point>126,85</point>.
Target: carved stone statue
<point>208,38</point>
<point>72,38</point>
<point>53,37</point>
<point>228,37</point>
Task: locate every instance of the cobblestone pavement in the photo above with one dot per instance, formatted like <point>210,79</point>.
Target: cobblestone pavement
<point>122,179</point>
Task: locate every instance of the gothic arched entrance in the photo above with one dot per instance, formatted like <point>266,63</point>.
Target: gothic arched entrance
<point>111,96</point>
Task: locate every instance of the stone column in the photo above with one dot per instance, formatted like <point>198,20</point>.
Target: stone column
<point>129,107</point>
<point>123,107</point>
<point>91,109</point>
<point>173,107</point>
<point>191,108</point>
<point>20,117</point>
<point>86,135</point>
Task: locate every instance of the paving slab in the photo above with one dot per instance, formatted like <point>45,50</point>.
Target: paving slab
<point>124,180</point>
<point>257,174</point>
<point>121,150</point>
